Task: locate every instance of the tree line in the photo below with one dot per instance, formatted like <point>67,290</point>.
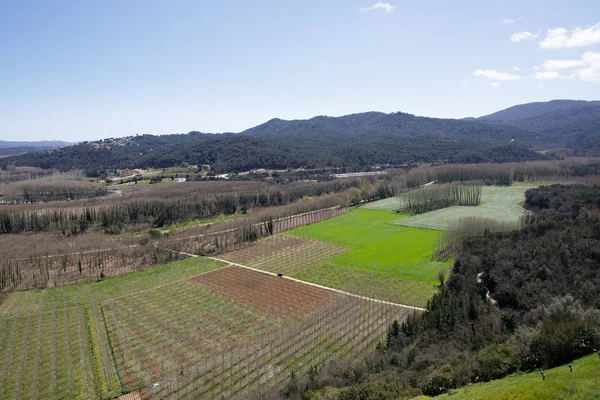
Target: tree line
<point>185,205</point>
<point>439,196</point>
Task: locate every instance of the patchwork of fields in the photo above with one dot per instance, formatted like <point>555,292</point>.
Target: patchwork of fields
<point>191,329</point>
<point>201,328</point>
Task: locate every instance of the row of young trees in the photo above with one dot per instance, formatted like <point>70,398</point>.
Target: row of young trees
<point>116,215</point>
<point>439,196</point>
<point>45,270</point>
<point>504,174</point>
<point>217,368</point>
<point>18,174</point>
<point>447,244</point>
<point>39,272</point>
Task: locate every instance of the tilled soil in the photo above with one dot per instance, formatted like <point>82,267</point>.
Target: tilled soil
<point>276,296</point>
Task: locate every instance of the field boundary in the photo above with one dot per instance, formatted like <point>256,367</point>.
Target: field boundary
<point>321,286</point>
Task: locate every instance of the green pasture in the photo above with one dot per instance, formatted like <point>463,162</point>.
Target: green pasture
<point>560,383</point>
<point>380,246</point>
<point>369,283</point>
<point>499,203</point>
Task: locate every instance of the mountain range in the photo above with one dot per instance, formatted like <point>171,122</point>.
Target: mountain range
<point>355,141</point>
<point>15,148</point>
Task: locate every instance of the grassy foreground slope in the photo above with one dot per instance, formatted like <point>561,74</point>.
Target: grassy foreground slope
<point>560,383</point>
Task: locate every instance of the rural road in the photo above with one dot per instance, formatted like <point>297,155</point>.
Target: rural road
<point>316,285</point>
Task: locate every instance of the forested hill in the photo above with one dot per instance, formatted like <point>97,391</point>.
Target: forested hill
<point>523,111</point>
<point>354,141</point>
<point>397,125</point>
<point>571,124</point>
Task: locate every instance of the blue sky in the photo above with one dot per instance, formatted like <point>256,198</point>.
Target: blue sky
<point>85,70</point>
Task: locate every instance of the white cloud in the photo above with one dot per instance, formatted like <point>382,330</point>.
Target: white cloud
<point>518,36</point>
<point>494,84</point>
<point>591,73</point>
<point>386,7</point>
<point>587,68</point>
<point>558,38</point>
<point>508,21</point>
<point>547,75</point>
<point>517,69</point>
<point>494,75</point>
<point>464,81</point>
<point>553,65</point>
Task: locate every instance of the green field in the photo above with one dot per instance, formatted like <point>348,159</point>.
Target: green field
<point>560,383</point>
<point>499,203</point>
<point>379,245</point>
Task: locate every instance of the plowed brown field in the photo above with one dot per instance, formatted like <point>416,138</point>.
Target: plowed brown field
<point>270,294</point>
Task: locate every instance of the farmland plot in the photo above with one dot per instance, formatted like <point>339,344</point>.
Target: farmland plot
<point>312,260</point>
<point>226,331</point>
<point>499,203</point>
<point>54,342</point>
<point>379,245</point>
<point>285,254</point>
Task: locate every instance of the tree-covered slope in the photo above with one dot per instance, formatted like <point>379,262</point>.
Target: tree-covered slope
<point>355,141</point>
<point>559,123</point>
<point>529,110</point>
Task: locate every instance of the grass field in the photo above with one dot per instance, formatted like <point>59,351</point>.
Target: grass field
<point>560,383</point>
<point>500,203</point>
<point>379,245</point>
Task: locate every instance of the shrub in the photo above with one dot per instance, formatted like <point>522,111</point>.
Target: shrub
<point>493,362</point>
<point>436,385</point>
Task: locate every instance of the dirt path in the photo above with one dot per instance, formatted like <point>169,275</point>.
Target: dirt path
<point>321,286</point>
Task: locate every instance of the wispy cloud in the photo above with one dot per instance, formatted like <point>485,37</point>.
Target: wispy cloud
<point>494,75</point>
<point>386,7</point>
<point>553,65</point>
<point>518,36</point>
<point>587,68</point>
<point>591,73</point>
<point>558,38</point>
<point>494,84</point>
<point>547,75</point>
<point>508,21</point>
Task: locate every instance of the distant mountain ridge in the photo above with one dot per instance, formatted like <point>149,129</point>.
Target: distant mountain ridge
<point>354,141</point>
<point>401,125</point>
<point>529,110</point>
<point>574,124</point>
<point>39,144</point>
<point>8,149</point>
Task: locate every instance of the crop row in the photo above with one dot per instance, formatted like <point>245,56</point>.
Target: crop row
<point>198,344</point>
<point>285,254</point>
<point>57,352</point>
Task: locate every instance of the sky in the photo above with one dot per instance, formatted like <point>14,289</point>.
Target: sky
<point>87,70</point>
